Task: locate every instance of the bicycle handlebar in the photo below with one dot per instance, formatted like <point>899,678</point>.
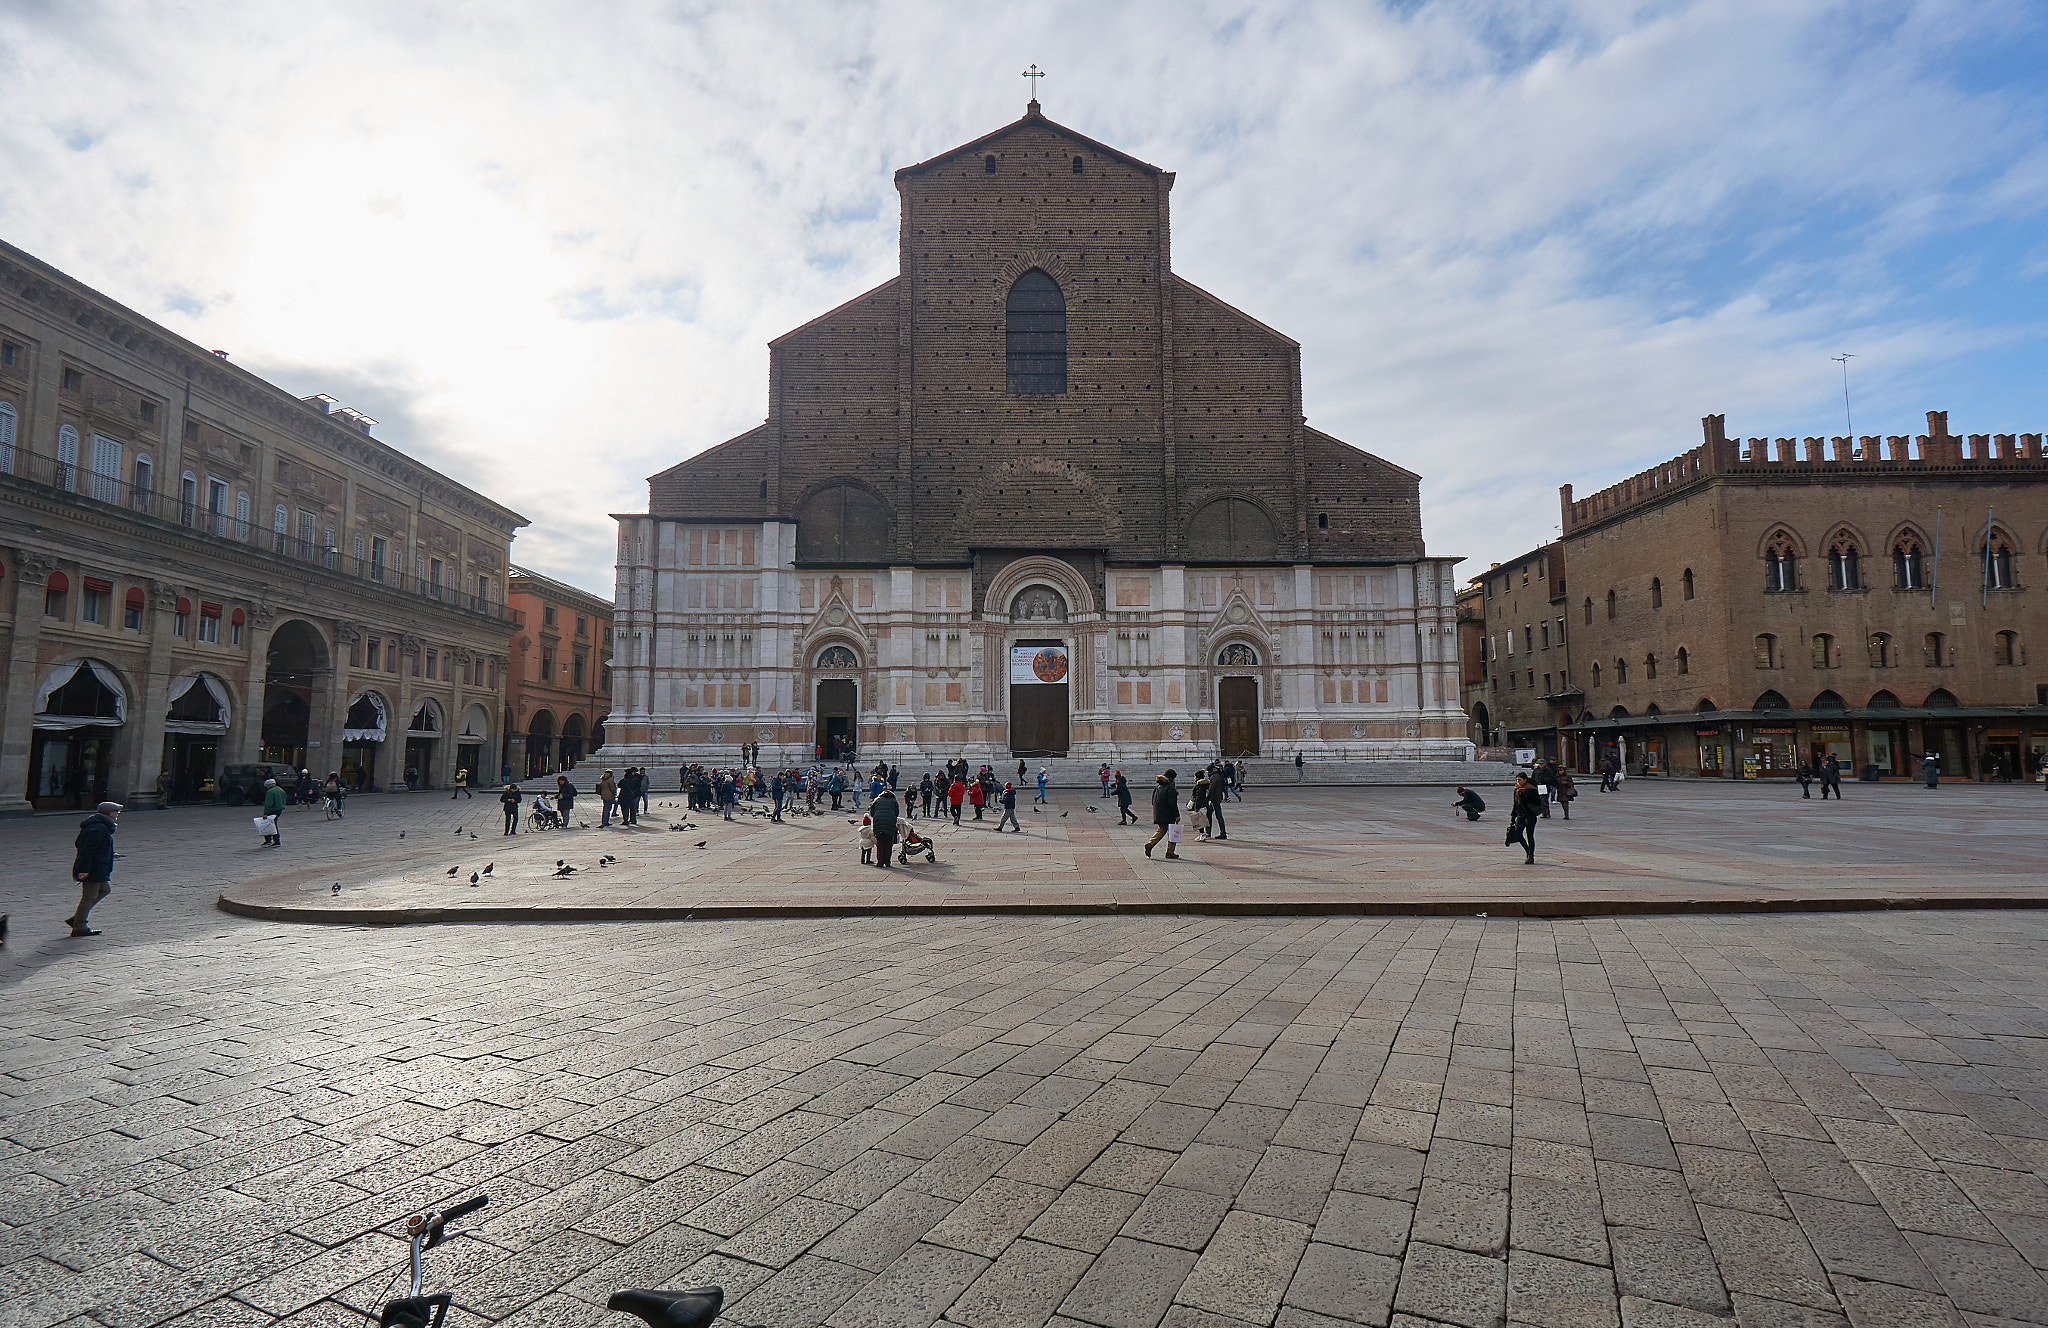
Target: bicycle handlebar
<point>435,1233</point>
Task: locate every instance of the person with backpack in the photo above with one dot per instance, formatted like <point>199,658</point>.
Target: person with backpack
<point>1009,800</point>
<point>1121,787</point>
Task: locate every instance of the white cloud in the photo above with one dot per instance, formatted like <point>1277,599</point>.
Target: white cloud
<point>1521,245</point>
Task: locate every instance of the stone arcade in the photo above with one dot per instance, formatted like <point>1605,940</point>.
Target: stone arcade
<point>1037,495</point>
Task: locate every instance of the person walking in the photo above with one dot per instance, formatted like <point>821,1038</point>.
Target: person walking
<point>1805,777</point>
<point>1198,798</point>
<point>1930,765</point>
<point>565,801</point>
<point>1297,767</point>
<point>956,793</point>
<point>1042,773</point>
<point>836,786</point>
<point>883,811</point>
<point>1219,792</point>
<point>1020,770</point>
<point>92,863</point>
<point>1831,778</point>
<point>1470,803</point>
<point>1522,817</point>
<point>1165,815</point>
<point>775,792</point>
<point>1567,791</point>
<point>977,793</point>
<point>335,791</point>
<point>608,794</point>
<point>510,800</point>
<point>273,807</point>
<point>1120,788</point>
<point>1009,800</point>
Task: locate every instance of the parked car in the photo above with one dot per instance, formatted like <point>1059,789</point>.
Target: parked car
<point>244,783</point>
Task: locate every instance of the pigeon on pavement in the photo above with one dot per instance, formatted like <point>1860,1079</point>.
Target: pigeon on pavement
<point>453,870</point>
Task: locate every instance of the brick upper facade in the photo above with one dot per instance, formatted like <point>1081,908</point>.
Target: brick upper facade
<point>1176,403</point>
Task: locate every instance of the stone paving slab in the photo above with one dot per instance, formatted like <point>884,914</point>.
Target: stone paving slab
<point>1655,847</point>
<point>1105,1121</point>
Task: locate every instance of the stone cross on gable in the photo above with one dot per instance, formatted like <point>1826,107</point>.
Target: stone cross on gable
<point>1034,73</point>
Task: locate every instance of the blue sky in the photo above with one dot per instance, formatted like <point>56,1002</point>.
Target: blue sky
<point>1522,243</point>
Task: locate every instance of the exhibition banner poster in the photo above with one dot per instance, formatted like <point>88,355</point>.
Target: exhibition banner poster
<point>1035,664</point>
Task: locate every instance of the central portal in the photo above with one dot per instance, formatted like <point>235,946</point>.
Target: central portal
<point>838,707</point>
<point>1237,705</point>
<point>1038,698</point>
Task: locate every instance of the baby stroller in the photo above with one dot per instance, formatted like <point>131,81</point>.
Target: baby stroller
<point>544,815</point>
<point>914,842</point>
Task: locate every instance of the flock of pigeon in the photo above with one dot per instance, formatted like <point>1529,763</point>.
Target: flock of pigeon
<point>563,869</point>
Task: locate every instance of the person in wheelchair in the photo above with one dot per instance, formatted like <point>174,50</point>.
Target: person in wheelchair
<point>545,817</point>
<point>914,842</point>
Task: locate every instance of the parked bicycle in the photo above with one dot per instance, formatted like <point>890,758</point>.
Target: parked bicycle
<point>693,1308</point>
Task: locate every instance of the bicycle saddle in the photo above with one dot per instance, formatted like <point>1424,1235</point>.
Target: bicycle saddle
<point>694,1308</point>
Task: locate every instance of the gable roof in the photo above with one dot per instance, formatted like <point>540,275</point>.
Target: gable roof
<point>1034,119</point>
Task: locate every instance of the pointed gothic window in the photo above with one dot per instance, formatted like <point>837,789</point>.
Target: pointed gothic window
<point>1035,328</point>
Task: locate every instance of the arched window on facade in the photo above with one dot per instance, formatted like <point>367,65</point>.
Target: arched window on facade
<point>1589,610</point>
<point>1610,606</point>
<point>1684,661</point>
<point>1685,584</point>
<point>1823,651</point>
<point>1656,593</point>
<point>1934,650</point>
<point>1767,651</point>
<point>1997,556</point>
<point>1771,701</point>
<point>1906,559</point>
<point>2006,649</point>
<point>1596,677</point>
<point>1845,571</point>
<point>1781,569</point>
<point>1880,650</point>
<point>1649,666</point>
<point>1620,672</point>
<point>1035,335</point>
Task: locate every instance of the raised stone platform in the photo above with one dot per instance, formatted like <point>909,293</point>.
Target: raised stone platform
<point>1652,848</point>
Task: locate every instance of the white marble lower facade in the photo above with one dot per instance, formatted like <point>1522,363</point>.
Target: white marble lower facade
<point>720,639</point>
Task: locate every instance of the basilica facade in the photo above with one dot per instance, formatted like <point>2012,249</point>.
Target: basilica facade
<point>1036,495</point>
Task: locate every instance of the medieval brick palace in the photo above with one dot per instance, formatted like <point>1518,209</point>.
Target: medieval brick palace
<point>1035,495</point>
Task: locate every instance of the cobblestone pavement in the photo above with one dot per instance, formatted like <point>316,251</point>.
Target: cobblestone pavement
<point>1387,848</point>
<point>1655,1122</point>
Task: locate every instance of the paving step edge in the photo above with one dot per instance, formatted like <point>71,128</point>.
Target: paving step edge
<point>1499,908</point>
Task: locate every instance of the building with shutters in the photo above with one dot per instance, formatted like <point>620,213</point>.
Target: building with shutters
<point>1036,494</point>
<point>1757,604</point>
<point>200,570</point>
<point>560,685</point>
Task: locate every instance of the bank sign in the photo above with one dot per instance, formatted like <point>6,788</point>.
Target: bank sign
<point>1038,664</point>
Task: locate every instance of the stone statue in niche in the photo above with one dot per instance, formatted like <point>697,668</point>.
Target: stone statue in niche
<point>1238,657</point>
<point>1038,604</point>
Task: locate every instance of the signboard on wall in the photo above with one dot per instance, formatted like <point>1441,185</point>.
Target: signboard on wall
<point>1038,664</point>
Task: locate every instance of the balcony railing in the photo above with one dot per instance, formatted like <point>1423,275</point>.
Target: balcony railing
<point>113,491</point>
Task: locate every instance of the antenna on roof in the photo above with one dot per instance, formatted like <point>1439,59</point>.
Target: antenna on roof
<point>1848,419</point>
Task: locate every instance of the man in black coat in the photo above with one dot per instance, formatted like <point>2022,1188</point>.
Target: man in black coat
<point>93,864</point>
<point>1165,812</point>
<point>883,812</point>
<point>1831,778</point>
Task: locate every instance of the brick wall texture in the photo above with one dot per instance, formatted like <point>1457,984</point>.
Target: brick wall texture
<point>892,438</point>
